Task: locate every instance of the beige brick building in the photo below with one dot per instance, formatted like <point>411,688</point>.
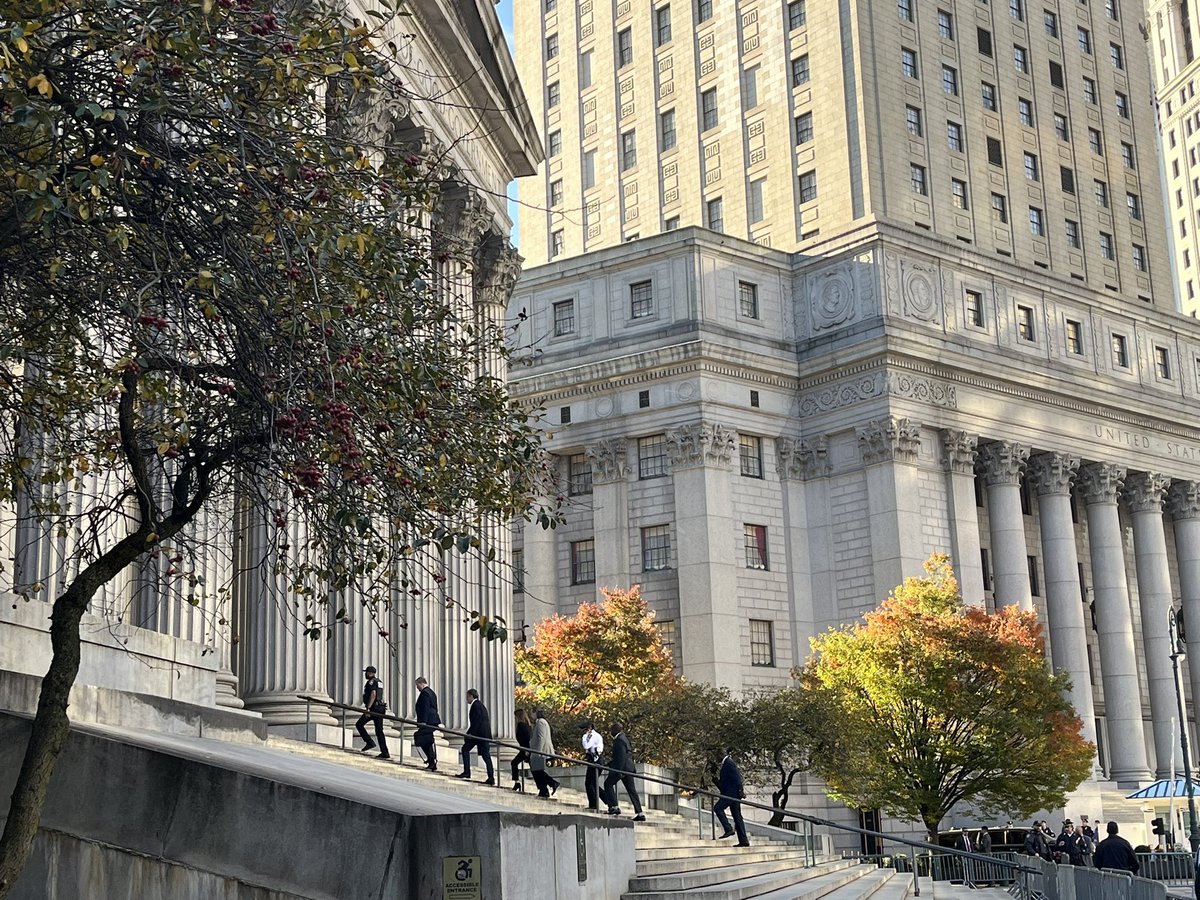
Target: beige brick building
<point>1019,129</point>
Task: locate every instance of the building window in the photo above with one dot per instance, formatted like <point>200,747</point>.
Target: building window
<point>1075,337</point>
<point>667,633</point>
<point>1162,363</point>
<point>954,136</point>
<point>557,243</point>
<point>748,299</point>
<point>1134,204</point>
<point>1102,194</point>
<point>585,69</point>
<point>974,304</point>
<point>945,25</point>
<point>643,399</point>
<point>917,179</point>
<point>1120,352</point>
<point>1056,75</point>
<point>755,201</point>
<point>579,475</point>
<point>556,192</point>
<point>583,562</point>
<point>554,144</point>
<point>656,548</point>
<point>1106,246</point>
<point>912,118</point>
<point>908,63</point>
<point>1025,111</point>
<point>800,70</point>
<point>652,457</point>
<point>1127,155</point>
<point>552,95</point>
<point>1021,59</point>
<point>904,8</point>
<point>1066,177</point>
<point>995,152</point>
<point>672,224</point>
<point>641,299</point>
<point>628,150</point>
<point>551,5</point>
<point>518,571</point>
<point>1060,127</point>
<point>756,546</point>
<point>1094,141</point>
<point>1110,10</point>
<point>762,642</point>
<point>715,212</point>
<point>1034,588</point>
<point>703,10</point>
<point>750,87</point>
<point>1117,55</point>
<point>1089,91</point>
<point>1050,22</point>
<point>1085,41</point>
<point>804,128</point>
<point>708,106</point>
<point>589,170</point>
<point>666,129</point>
<point>624,47</point>
<point>988,93</point>
<point>950,80</point>
<point>958,193</point>
<point>1072,232</point>
<point>999,209</point>
<point>750,451</point>
<point>1016,9</point>
<point>662,25</point>
<point>1031,167</point>
<point>1139,257</point>
<point>983,38</point>
<point>808,186</point>
<point>1122,106</point>
<point>797,15</point>
<point>551,46</point>
<point>1025,324</point>
<point>564,318</point>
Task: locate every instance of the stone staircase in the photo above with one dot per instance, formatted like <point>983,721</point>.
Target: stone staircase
<point>674,859</point>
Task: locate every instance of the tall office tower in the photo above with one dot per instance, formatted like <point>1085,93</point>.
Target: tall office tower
<point>1019,129</point>
<point>1173,38</point>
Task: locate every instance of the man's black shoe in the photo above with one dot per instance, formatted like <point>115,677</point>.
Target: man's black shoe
<point>463,775</point>
<point>722,837</point>
<point>491,782</point>
<point>554,789</point>
<point>639,818</point>
<point>743,843</point>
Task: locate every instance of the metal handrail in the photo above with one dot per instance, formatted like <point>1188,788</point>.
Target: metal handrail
<point>1017,868</point>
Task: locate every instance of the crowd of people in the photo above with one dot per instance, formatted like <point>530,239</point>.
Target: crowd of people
<point>1081,846</point>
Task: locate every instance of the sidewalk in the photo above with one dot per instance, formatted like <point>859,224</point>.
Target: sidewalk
<point>945,890</point>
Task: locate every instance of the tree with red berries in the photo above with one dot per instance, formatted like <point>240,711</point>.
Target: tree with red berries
<point>218,285</point>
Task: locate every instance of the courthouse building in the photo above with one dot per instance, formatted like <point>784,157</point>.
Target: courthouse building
<point>924,305</point>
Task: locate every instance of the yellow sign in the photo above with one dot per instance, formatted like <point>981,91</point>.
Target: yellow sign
<point>462,878</point>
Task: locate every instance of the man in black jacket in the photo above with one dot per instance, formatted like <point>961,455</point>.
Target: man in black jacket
<point>373,710</point>
<point>729,782</point>
<point>1114,852</point>
<point>620,768</point>
<point>479,735</point>
<point>427,715</point>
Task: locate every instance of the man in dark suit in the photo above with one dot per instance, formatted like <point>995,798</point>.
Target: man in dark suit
<point>620,768</point>
<point>427,716</point>
<point>479,735</point>
<point>729,782</point>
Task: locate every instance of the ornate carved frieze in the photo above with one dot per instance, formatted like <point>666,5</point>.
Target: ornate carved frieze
<point>1183,500</point>
<point>1053,473</point>
<point>701,444</point>
<point>801,460</point>
<point>870,385</point>
<point>918,282</point>
<point>1146,491</point>
<point>959,451</point>
<point>889,439</point>
<point>461,217</point>
<point>497,268</point>
<point>1101,482</point>
<point>609,459</point>
<point>1002,462</point>
<point>832,298</point>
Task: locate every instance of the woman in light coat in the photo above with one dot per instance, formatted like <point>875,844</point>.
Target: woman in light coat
<point>541,746</point>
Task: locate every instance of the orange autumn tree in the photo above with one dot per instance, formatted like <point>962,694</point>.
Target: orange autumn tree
<point>939,703</point>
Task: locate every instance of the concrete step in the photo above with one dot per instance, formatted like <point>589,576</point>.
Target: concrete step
<point>858,882</point>
<point>866,886</point>
<point>803,883</point>
<point>714,858</point>
<point>692,849</point>
<point>689,879</point>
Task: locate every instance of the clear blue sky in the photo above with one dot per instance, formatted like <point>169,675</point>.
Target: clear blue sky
<point>505,8</point>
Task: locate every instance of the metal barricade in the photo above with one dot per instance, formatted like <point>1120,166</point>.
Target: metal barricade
<point>1066,884</point>
<point>1115,885</point>
<point>1089,883</point>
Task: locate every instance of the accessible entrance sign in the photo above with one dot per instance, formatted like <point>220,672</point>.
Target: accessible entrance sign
<point>462,878</point>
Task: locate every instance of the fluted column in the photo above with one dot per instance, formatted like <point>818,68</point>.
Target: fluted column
<point>541,569</point>
<point>1183,503</point>
<point>710,626</point>
<point>1145,493</point>
<point>1100,483</point>
<point>889,449</point>
<point>802,466</point>
<point>610,511</point>
<point>1051,475</point>
<point>1003,462</point>
<point>959,453</point>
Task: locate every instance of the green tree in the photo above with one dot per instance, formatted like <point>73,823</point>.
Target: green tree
<point>218,278</point>
<point>935,703</point>
<point>777,735</point>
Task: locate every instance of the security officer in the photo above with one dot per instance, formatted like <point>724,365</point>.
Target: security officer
<point>373,708</point>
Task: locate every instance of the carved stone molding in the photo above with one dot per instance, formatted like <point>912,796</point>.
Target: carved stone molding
<point>960,451</point>
<point>1183,500</point>
<point>800,460</point>
<point>1053,473</point>
<point>1003,462</point>
<point>1146,491</point>
<point>701,444</point>
<point>1101,482</point>
<point>609,459</point>
<point>461,217</point>
<point>870,385</point>
<point>920,295</point>
<point>889,439</point>
<point>497,268</point>
<point>833,298</point>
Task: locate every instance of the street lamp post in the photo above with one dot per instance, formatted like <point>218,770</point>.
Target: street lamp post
<point>1178,652</point>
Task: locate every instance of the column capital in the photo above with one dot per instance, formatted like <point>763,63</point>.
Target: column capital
<point>1101,482</point>
<point>461,216</point>
<point>889,439</point>
<point>1052,473</point>
<point>800,460</point>
<point>1146,491</point>
<point>609,460</point>
<point>497,268</point>
<point>1183,500</point>
<point>1003,462</point>
<point>961,450</point>
<point>702,444</point>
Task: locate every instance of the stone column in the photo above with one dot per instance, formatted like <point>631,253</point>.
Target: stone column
<point>1051,475</point>
<point>541,571</point>
<point>1003,462</point>
<point>1183,501</point>
<point>1100,483</point>
<point>610,511</point>
<point>1146,492</point>
<point>805,492</point>
<point>889,448</point>
<point>959,453</point>
<point>705,533</point>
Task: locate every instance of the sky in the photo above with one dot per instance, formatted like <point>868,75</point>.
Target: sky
<point>505,8</point>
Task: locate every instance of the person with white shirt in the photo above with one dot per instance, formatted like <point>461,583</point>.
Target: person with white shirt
<point>593,749</point>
